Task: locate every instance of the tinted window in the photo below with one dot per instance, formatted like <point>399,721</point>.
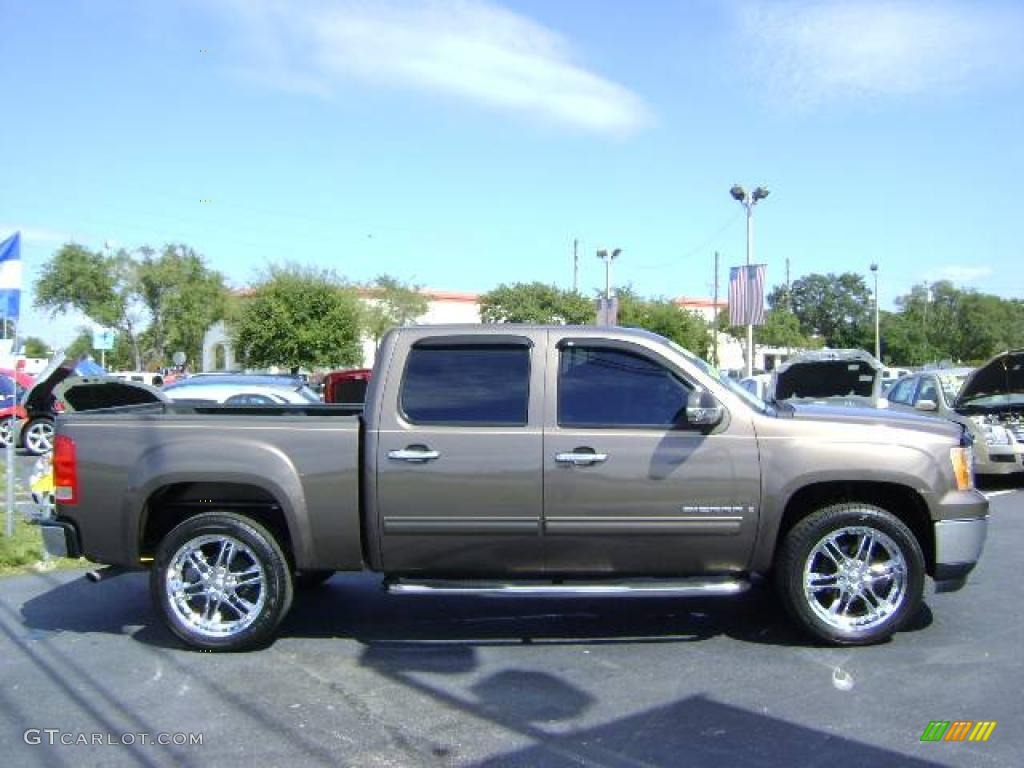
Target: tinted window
<point>607,387</point>
<point>928,390</point>
<point>7,388</point>
<point>475,384</point>
<point>902,391</point>
<point>249,400</point>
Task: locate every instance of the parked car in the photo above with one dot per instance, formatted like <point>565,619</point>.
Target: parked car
<point>988,401</point>
<point>346,386</point>
<point>46,398</point>
<point>242,389</point>
<point>153,378</point>
<point>522,460</point>
<point>13,385</point>
<point>831,376</point>
<point>759,385</point>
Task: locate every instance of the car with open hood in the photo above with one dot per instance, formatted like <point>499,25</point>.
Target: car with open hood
<point>71,383</point>
<point>989,401</point>
<point>831,377</point>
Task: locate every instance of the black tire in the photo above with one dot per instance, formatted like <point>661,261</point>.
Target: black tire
<point>881,589</point>
<point>234,562</point>
<point>310,579</point>
<point>43,425</point>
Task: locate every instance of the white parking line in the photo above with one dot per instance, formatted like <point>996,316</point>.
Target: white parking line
<point>993,494</point>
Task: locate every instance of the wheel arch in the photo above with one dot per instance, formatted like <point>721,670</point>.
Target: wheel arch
<point>902,501</point>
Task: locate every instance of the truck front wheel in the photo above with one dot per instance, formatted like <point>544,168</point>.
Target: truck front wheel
<point>221,582</point>
<point>851,574</point>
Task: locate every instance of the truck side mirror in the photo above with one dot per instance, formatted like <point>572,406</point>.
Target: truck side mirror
<point>702,409</point>
<point>926,405</point>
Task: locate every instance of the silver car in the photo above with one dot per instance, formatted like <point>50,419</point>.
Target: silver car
<point>242,389</point>
<point>989,401</point>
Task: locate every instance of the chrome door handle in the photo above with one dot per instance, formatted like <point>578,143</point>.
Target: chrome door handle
<point>581,459</point>
<point>414,455</point>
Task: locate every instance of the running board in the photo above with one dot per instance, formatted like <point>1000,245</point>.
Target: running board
<point>688,587</point>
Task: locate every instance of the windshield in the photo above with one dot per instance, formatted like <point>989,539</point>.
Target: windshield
<point>951,384</point>
<point>723,378</point>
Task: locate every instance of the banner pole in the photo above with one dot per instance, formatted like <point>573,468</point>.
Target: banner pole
<point>10,442</point>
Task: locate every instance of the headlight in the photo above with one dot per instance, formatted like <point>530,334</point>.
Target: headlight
<point>963,466</point>
<point>996,435</point>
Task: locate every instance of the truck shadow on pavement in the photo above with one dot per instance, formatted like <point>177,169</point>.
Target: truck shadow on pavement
<point>356,607</point>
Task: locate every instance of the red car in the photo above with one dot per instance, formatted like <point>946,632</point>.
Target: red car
<point>347,387</point>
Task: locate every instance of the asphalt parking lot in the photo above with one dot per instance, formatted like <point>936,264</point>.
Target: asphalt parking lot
<point>362,678</point>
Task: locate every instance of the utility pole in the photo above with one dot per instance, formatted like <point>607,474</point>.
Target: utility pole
<point>878,344</point>
<point>789,300</point>
<point>714,322</point>
<point>575,265</point>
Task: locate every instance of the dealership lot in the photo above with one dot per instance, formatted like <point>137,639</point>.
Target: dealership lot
<point>363,678</point>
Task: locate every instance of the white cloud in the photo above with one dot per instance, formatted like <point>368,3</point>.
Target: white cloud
<point>804,52</point>
<point>468,48</point>
<point>958,273</point>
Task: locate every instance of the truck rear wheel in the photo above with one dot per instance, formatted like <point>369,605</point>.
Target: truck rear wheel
<point>851,574</point>
<point>221,582</point>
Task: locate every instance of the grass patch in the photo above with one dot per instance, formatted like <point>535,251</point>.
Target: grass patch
<point>23,552</point>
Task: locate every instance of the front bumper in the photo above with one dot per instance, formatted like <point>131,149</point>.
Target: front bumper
<point>60,538</point>
<point>958,546</point>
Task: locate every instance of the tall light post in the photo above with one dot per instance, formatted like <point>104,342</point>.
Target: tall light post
<point>739,194</point>
<point>608,256</point>
<point>878,345</point>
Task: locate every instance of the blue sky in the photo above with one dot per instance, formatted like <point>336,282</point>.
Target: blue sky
<point>464,144</point>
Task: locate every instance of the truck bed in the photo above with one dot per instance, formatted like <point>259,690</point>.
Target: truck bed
<point>154,458</point>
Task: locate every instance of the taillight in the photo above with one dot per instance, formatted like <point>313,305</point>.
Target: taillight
<point>65,470</point>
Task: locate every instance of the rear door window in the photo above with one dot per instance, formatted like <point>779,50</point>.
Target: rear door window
<point>467,384</point>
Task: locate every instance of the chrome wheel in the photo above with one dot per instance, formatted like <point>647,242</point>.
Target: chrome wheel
<point>5,433</point>
<point>855,578</point>
<point>39,437</point>
<point>216,585</point>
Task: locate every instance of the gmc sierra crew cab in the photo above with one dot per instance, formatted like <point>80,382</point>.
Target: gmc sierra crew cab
<point>522,460</point>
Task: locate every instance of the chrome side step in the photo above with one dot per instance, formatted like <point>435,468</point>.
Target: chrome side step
<point>700,586</point>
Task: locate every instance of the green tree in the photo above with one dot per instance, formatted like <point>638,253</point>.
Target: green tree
<point>393,303</point>
<point>664,317</point>
<point>36,347</point>
<point>535,303</point>
<point>782,329</point>
<point>102,287</point>
<point>81,344</point>
<point>835,307</point>
<point>299,317</point>
<point>183,298</point>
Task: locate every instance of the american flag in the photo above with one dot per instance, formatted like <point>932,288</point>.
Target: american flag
<point>746,295</point>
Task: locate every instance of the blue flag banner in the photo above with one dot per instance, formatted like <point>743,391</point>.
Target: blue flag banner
<point>10,277</point>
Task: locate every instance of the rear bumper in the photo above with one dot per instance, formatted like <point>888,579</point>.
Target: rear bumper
<point>60,539</point>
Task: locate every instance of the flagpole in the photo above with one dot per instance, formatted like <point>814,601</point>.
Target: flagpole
<point>10,432</point>
<point>10,288</point>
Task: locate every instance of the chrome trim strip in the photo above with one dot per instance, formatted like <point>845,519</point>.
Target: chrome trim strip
<point>461,525</point>
<point>691,587</point>
<point>725,525</point>
<point>960,541</point>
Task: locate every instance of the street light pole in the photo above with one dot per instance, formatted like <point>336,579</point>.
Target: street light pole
<point>739,194</point>
<point>878,346</point>
<point>608,256</point>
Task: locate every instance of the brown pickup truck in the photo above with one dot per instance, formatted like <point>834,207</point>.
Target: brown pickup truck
<point>522,460</point>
